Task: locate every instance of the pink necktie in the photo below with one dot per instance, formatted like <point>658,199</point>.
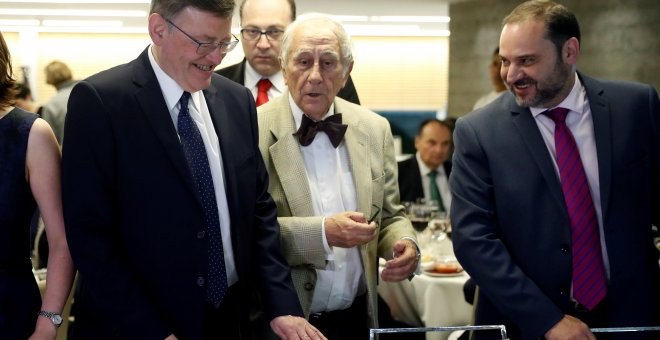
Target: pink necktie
<point>262,91</point>
<point>589,282</point>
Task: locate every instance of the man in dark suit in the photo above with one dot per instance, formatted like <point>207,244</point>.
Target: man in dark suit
<point>433,143</point>
<point>262,24</point>
<point>165,192</point>
<point>517,225</point>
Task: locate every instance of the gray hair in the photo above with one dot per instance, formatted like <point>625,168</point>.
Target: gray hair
<point>169,9</point>
<point>337,28</point>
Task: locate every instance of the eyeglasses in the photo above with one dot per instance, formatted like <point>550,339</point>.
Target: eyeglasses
<point>204,48</point>
<point>255,34</point>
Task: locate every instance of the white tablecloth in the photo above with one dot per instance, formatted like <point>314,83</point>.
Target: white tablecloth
<point>427,301</point>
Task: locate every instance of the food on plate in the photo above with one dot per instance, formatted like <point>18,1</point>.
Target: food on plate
<point>447,267</point>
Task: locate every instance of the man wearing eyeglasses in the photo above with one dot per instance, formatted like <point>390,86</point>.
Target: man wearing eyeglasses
<point>165,193</point>
<point>262,25</point>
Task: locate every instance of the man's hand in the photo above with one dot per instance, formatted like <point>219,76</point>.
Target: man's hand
<point>349,229</point>
<point>295,328</point>
<point>569,328</point>
<point>404,262</point>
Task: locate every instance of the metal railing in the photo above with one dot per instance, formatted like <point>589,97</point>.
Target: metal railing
<point>374,331</point>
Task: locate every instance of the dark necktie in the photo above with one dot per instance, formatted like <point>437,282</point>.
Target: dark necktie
<point>332,126</point>
<point>262,91</point>
<point>195,152</point>
<point>435,192</point>
<point>589,282</point>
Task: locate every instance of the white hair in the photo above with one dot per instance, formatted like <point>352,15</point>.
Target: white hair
<point>339,31</point>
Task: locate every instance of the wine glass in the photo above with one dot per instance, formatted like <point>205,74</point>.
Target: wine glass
<point>440,225</point>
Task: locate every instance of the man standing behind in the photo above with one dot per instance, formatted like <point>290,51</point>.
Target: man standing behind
<point>262,24</point>
<point>496,80</point>
<point>333,177</point>
<point>426,175</point>
<point>555,188</point>
<point>165,192</point>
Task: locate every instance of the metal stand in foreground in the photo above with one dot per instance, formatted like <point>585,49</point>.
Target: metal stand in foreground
<point>374,331</point>
<point>625,329</point>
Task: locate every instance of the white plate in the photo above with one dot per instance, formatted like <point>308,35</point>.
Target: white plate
<point>434,274</point>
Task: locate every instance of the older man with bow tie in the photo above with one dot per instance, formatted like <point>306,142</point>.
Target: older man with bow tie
<point>333,177</point>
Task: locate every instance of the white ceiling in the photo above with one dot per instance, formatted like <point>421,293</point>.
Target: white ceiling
<point>130,15</point>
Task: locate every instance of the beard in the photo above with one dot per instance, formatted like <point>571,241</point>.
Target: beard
<point>547,90</point>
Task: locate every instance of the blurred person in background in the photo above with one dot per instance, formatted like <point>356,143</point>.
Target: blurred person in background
<point>554,190</point>
<point>29,177</point>
<point>262,24</point>
<point>426,174</point>
<point>24,99</point>
<point>498,84</point>
<point>59,75</point>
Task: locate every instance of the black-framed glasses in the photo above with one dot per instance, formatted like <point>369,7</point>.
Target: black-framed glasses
<point>204,48</point>
<point>255,34</point>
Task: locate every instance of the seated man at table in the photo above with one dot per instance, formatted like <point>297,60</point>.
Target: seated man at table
<point>426,175</point>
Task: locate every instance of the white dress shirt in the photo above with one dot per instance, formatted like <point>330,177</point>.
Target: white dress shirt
<point>441,180</point>
<point>333,191</point>
<point>252,77</point>
<point>200,114</point>
<point>581,124</point>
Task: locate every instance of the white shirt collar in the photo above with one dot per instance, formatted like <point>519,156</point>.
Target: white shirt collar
<point>252,77</point>
<point>574,101</point>
<point>170,88</point>
<point>297,112</point>
<point>424,170</point>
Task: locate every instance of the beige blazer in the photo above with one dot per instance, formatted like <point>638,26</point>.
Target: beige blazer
<point>373,165</point>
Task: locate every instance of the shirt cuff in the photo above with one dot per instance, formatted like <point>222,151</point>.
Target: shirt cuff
<point>418,271</point>
<point>329,255</point>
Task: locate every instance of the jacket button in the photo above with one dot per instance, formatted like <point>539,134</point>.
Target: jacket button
<point>309,286</point>
<point>563,292</point>
<point>201,234</point>
<point>200,281</point>
<point>564,248</point>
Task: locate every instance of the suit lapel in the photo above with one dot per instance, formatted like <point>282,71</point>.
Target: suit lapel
<point>526,125</point>
<point>287,159</point>
<point>601,117</point>
<point>159,118</point>
<point>357,143</point>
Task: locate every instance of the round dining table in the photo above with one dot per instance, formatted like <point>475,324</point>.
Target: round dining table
<point>429,300</point>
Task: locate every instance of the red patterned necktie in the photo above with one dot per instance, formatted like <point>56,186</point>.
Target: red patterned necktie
<point>262,91</point>
<point>589,282</point>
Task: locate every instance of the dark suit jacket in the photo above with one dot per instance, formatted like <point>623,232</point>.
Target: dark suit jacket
<point>510,224</point>
<point>410,179</point>
<point>236,73</point>
<point>134,220</point>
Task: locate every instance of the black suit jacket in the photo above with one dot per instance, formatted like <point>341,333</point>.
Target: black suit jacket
<point>133,218</point>
<point>510,223</point>
<point>236,73</point>
<point>410,179</point>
